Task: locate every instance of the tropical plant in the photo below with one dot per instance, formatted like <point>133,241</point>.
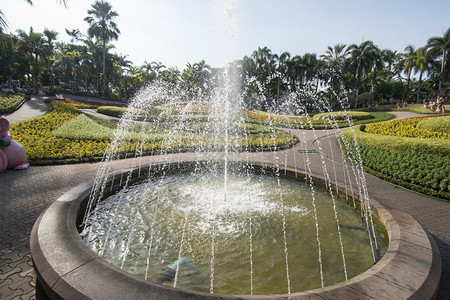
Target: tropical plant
<point>409,61</point>
<point>421,67</point>
<point>103,28</point>
<point>440,46</point>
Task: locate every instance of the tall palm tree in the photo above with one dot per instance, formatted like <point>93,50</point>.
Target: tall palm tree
<point>335,57</point>
<point>362,58</point>
<point>409,61</point>
<point>33,44</point>
<point>439,45</point>
<point>421,66</point>
<point>103,28</point>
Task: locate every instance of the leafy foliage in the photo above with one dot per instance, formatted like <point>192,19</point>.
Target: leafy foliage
<point>440,124</point>
<point>319,121</point>
<point>10,102</point>
<point>65,135</point>
<point>405,128</point>
<point>417,163</point>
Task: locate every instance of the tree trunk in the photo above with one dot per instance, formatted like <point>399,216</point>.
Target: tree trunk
<point>442,71</point>
<point>418,90</point>
<point>104,68</point>
<point>405,97</point>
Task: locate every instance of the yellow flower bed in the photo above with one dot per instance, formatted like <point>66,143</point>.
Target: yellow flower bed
<point>404,128</point>
<point>43,146</point>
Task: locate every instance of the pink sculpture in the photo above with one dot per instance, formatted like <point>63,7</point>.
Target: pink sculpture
<point>12,153</point>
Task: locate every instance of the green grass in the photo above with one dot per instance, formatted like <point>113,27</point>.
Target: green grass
<point>9,103</point>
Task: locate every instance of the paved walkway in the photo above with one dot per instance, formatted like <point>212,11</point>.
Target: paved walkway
<point>25,194</point>
<point>33,108</point>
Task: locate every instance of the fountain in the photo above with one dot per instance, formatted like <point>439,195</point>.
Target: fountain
<point>212,206</point>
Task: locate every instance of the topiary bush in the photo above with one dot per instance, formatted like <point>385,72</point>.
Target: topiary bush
<point>344,115</point>
<point>438,124</point>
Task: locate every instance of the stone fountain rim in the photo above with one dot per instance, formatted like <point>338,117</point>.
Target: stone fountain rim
<point>67,268</point>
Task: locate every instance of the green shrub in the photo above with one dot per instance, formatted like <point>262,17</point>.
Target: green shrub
<point>112,111</point>
<point>65,136</point>
<point>344,115</point>
<point>418,164</point>
<point>386,142</point>
<point>9,103</point>
<point>439,124</point>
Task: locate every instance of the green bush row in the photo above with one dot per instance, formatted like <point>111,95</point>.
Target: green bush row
<point>439,124</point>
<point>375,117</point>
<point>386,142</point>
<point>9,103</point>
<point>417,108</point>
<point>418,164</point>
<point>344,115</point>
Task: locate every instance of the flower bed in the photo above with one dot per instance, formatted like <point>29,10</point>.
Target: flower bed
<point>405,128</point>
<point>77,142</point>
<point>402,154</point>
<point>92,103</point>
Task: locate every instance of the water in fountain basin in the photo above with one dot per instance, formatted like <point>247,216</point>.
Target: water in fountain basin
<point>186,208</point>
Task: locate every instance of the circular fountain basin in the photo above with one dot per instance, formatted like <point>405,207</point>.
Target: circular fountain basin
<point>67,268</point>
<point>233,233</point>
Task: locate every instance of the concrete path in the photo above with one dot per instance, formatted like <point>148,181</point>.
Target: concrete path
<point>25,194</point>
<point>30,109</point>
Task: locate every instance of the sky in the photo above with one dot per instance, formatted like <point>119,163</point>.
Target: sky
<point>177,32</point>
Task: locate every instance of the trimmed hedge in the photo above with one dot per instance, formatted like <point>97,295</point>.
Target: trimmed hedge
<point>65,136</point>
<point>417,108</point>
<point>303,122</point>
<point>9,103</point>
<point>343,115</point>
<point>439,124</point>
<point>418,164</point>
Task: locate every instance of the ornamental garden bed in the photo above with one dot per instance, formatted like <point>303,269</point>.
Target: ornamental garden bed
<point>404,153</point>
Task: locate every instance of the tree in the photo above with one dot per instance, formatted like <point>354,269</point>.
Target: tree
<point>33,45</point>
<point>439,46</point>
<point>421,66</point>
<point>362,61</point>
<point>335,57</point>
<point>103,28</point>
<point>409,61</point>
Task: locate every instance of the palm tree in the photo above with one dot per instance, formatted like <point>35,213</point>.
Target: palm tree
<point>408,64</point>
<point>33,44</point>
<point>335,57</point>
<point>102,27</point>
<point>362,60</point>
<point>439,46</point>
<point>421,66</point>
<point>75,35</point>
